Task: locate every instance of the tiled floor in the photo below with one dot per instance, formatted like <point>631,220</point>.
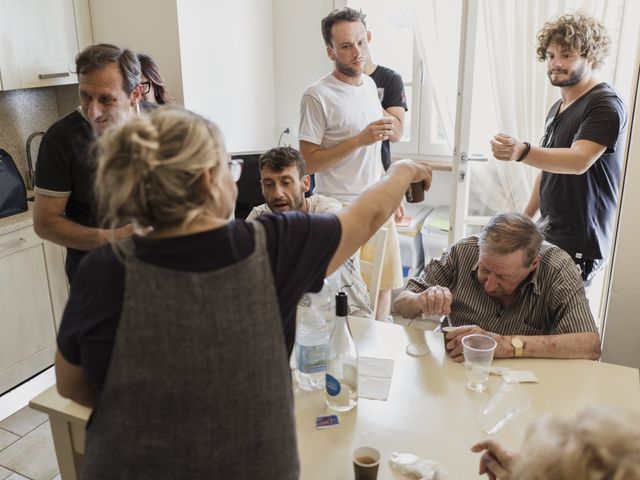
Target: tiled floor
<point>26,447</point>
<point>17,398</point>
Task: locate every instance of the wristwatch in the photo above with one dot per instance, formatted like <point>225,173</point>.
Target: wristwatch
<point>518,345</point>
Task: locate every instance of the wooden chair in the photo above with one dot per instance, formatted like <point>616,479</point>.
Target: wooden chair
<point>68,422</point>
<point>371,266</point>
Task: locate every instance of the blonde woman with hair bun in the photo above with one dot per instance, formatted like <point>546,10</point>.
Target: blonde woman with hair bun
<point>150,169</point>
<point>596,443</point>
<point>180,338</point>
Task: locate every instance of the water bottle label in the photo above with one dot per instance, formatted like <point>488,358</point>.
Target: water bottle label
<point>311,358</point>
<point>332,385</point>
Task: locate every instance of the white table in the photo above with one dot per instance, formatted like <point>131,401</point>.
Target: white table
<point>429,411</point>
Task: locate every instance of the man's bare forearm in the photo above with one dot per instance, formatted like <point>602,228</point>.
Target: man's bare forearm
<point>69,234</point>
<point>558,160</point>
<point>397,116</point>
<point>575,160</point>
<point>406,304</point>
<point>568,345</point>
<point>318,159</point>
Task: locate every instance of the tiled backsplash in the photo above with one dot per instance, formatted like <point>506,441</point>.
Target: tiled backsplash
<point>23,112</point>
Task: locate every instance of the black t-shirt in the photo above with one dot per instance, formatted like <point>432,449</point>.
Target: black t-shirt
<point>581,208</point>
<point>391,94</point>
<point>299,245</point>
<point>66,166</point>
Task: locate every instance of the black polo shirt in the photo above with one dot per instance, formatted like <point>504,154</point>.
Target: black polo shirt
<point>66,167</point>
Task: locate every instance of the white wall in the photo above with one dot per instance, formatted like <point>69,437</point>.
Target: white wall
<point>300,57</point>
<point>145,26</point>
<point>216,57</point>
<point>622,324</point>
<point>227,68</point>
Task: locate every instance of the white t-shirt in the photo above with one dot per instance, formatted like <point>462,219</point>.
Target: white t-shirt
<point>332,111</point>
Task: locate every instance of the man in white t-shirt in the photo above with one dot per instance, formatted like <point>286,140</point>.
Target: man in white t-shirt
<point>284,181</point>
<point>342,125</point>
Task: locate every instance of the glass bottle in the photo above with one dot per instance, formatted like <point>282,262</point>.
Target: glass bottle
<point>341,384</point>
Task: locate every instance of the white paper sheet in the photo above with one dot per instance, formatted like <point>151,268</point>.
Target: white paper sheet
<point>374,377</point>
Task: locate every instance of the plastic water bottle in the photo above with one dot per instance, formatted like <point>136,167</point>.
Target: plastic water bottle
<point>312,336</point>
<point>341,385</point>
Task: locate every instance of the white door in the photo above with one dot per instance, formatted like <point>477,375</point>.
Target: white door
<point>460,181</point>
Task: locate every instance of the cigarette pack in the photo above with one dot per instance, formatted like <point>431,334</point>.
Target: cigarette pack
<point>327,421</point>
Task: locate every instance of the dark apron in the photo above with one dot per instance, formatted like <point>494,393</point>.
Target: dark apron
<point>199,385</point>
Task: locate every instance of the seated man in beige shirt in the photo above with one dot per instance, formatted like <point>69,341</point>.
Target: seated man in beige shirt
<point>512,285</point>
<point>284,182</point>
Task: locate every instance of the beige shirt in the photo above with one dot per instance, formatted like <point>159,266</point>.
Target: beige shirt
<point>315,204</point>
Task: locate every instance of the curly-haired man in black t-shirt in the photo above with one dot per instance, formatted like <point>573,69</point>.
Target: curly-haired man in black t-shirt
<point>580,154</point>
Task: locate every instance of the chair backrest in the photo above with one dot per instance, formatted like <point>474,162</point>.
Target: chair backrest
<point>249,192</point>
<point>371,268</point>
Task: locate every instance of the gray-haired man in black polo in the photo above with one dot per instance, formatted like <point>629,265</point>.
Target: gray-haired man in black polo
<point>512,285</point>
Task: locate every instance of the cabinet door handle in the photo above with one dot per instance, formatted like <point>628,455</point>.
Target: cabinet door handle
<point>46,76</point>
<point>14,244</point>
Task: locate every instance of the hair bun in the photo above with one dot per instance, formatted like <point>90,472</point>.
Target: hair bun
<point>143,143</point>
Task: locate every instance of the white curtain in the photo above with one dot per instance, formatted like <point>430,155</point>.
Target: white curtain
<point>519,88</point>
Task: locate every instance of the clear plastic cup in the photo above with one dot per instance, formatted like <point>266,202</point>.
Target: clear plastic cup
<point>507,403</point>
<point>478,354</point>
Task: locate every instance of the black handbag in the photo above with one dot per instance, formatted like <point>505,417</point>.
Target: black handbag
<point>13,193</point>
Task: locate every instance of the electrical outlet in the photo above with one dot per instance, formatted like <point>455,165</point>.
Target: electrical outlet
<point>288,130</point>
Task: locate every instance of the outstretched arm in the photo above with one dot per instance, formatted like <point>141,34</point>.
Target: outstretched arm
<point>363,218</point>
<point>574,160</point>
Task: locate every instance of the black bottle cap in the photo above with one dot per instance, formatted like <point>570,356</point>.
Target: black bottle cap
<point>342,304</point>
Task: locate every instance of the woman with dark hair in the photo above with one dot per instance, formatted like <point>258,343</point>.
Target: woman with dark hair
<point>153,86</point>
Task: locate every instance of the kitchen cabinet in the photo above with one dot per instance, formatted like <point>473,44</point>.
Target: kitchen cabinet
<point>39,40</point>
<point>33,292</point>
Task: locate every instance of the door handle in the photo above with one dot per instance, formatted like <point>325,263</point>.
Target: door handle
<point>13,244</point>
<point>473,157</point>
<point>46,76</point>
